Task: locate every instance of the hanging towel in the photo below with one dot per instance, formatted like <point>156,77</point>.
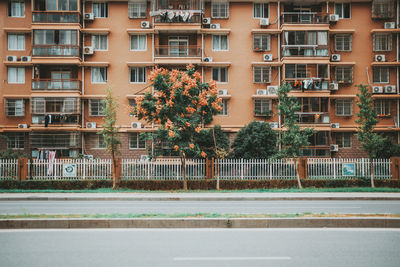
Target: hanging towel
<point>171,14</point>
<point>46,120</point>
<point>52,159</point>
<point>185,16</point>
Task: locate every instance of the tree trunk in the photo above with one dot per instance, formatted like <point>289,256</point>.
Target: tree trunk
<point>371,164</point>
<point>183,162</point>
<point>298,176</point>
<point>114,171</point>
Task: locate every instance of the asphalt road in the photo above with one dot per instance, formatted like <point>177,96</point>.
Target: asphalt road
<point>169,207</point>
<point>201,247</point>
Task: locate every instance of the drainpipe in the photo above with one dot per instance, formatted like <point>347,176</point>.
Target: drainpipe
<point>83,82</point>
<point>279,68</point>
<point>397,70</point>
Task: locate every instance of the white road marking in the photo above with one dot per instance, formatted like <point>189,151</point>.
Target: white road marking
<point>229,258</point>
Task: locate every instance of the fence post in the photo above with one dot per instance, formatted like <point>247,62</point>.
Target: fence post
<point>394,167</point>
<point>22,169</point>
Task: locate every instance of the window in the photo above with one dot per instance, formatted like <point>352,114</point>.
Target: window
<point>382,42</point>
<point>220,74</point>
<point>138,75</point>
<point>51,5</point>
<point>380,74</point>
<point>224,110</point>
<point>344,107</point>
<point>15,107</point>
<point>16,41</point>
<point>96,107</point>
<point>262,107</point>
<point>15,140</point>
<point>306,43</point>
<point>261,10</point>
<point>100,42</point>
<point>343,140</point>
<point>343,42</point>
<point>261,42</point>
<point>138,43</point>
<point>16,75</point>
<point>132,106</point>
<point>135,142</point>
<point>16,8</point>
<point>343,10</point>
<point>295,71</point>
<point>98,141</point>
<point>99,75</point>
<point>219,10</point>
<point>220,43</point>
<point>262,74</point>
<point>100,10</point>
<point>137,9</point>
<point>383,9</point>
<point>382,107</point>
<point>344,74</point>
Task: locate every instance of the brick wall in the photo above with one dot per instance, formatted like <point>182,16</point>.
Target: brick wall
<point>355,151</point>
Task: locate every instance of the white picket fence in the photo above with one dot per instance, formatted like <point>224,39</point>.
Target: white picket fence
<point>336,168</point>
<point>70,169</point>
<point>8,169</point>
<point>255,169</point>
<point>162,169</point>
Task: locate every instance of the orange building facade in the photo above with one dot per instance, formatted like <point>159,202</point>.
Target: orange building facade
<point>59,56</point>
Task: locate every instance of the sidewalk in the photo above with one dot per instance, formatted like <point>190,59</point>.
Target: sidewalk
<point>199,196</point>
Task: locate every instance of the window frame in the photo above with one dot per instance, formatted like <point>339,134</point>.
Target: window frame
<point>340,105</point>
<point>137,75</point>
<point>219,74</point>
<point>98,4</point>
<point>261,69</point>
<point>262,6</point>
<point>131,5</point>
<point>15,108</point>
<point>377,37</point>
<point>17,81</point>
<point>92,76</point>
<point>342,41</point>
<point>219,36</point>
<point>383,107</point>
<point>219,6</point>
<point>18,139</point>
<point>9,12</point>
<point>137,142</point>
<point>138,42</point>
<point>99,103</point>
<point>94,41</point>
<point>224,110</point>
<point>259,104</point>
<point>343,69</point>
<point>340,139</point>
<point>381,68</point>
<point>259,42</point>
<point>17,36</point>
<point>342,8</point>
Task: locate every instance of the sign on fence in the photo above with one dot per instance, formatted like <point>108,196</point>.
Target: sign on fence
<point>69,170</point>
<point>349,169</point>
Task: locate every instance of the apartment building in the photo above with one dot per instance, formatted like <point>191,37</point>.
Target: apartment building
<point>59,56</point>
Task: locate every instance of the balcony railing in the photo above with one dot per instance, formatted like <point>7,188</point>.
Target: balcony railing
<point>57,85</point>
<point>55,50</point>
<point>55,17</point>
<point>179,16</point>
<point>177,51</point>
<point>313,117</point>
<point>56,119</point>
<point>318,84</point>
<point>305,51</point>
<point>304,18</point>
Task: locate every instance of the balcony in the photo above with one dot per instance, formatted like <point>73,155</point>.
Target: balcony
<point>162,17</point>
<point>305,51</point>
<point>55,50</point>
<point>313,117</point>
<point>57,119</point>
<point>55,17</point>
<point>304,18</point>
<point>56,85</point>
<point>177,51</point>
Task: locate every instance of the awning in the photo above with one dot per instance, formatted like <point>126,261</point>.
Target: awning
<point>176,61</point>
<point>140,64</point>
<point>140,31</point>
<point>215,64</point>
<point>216,31</point>
<point>18,63</point>
<point>261,63</point>
<point>16,96</point>
<point>301,27</point>
<point>95,64</point>
<point>93,96</point>
<point>266,31</point>
<point>303,60</point>
<point>59,26</point>
<point>19,30</point>
<point>342,63</point>
<point>55,94</point>
<point>386,96</point>
<point>96,30</point>
<point>386,63</point>
<point>56,60</point>
<point>396,30</point>
<point>342,96</point>
<point>310,94</point>
<point>341,31</point>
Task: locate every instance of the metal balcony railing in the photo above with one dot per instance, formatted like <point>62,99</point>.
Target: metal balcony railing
<point>55,17</point>
<point>177,51</point>
<point>313,117</point>
<point>55,50</point>
<point>163,17</point>
<point>304,18</point>
<point>305,51</point>
<point>56,84</point>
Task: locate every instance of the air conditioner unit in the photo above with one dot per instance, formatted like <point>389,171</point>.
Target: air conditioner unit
<point>91,125</point>
<point>273,125</point>
<point>23,126</point>
<point>380,58</point>
<point>145,24</point>
<point>390,89</point>
<point>89,16</point>
<point>335,125</point>
<point>335,57</point>
<point>333,86</point>
<point>261,92</point>
<point>215,26</point>
<point>206,21</point>
<point>26,58</point>
<point>267,57</point>
<point>390,25</point>
<point>264,22</point>
<point>272,90</point>
<point>12,58</point>
<point>334,148</point>
<point>377,89</point>
<point>208,59</point>
<point>333,17</point>
<point>88,50</point>
<point>136,125</point>
<point>223,92</point>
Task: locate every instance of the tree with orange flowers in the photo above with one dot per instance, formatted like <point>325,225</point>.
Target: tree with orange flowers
<point>180,105</point>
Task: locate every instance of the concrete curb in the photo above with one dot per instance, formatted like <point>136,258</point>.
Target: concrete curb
<point>350,222</point>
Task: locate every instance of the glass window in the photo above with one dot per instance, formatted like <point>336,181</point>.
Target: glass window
<point>261,10</point>
<point>343,140</point>
<point>137,9</point>
<point>135,142</point>
<point>382,107</point>
<point>343,10</point>
<point>16,8</point>
<point>344,74</point>
<point>16,141</point>
<point>224,110</point>
<point>16,75</point>
<point>220,43</point>
<point>261,42</point>
<point>219,10</point>
<point>262,74</point>
<point>99,75</point>
<point>138,42</point>
<point>262,107</point>
<point>16,41</point>
<point>15,107</point>
<point>220,74</point>
<point>138,75</point>
<point>99,142</point>
<point>100,42</point>
<point>380,74</point>
<point>344,107</point>
<point>100,10</point>
<point>382,42</point>
<point>96,107</point>
<point>383,9</point>
<point>343,42</point>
